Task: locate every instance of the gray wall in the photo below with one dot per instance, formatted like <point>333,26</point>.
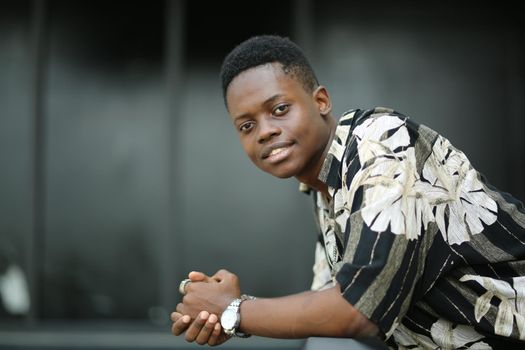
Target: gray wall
<point>456,68</point>
<point>121,171</point>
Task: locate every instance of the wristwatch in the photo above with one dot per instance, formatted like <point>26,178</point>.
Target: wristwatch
<point>231,317</point>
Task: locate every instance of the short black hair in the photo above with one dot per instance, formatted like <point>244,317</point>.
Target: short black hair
<point>266,49</point>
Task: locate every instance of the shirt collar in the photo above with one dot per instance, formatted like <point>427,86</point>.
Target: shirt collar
<point>330,172</point>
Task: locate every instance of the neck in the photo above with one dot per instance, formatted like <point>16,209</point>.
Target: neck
<point>312,178</point>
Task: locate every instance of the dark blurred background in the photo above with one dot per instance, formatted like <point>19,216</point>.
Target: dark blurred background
<point>121,172</point>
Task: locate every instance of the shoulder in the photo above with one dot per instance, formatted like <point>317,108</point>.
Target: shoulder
<point>384,173</point>
<point>384,130</point>
<point>357,115</point>
<point>377,123</point>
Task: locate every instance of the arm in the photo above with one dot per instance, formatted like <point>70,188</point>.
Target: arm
<point>322,313</point>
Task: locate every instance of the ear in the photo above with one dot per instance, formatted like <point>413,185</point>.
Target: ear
<point>322,100</point>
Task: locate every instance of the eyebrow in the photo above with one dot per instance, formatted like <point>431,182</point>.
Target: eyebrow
<point>266,102</point>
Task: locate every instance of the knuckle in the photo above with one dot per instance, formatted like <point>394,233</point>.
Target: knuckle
<point>233,279</point>
<point>197,324</point>
<point>179,307</point>
<point>188,299</point>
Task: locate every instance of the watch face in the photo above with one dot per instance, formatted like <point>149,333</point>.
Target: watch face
<point>228,319</point>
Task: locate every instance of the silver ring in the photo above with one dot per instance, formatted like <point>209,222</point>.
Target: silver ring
<point>182,286</point>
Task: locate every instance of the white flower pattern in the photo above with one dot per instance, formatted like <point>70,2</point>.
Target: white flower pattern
<point>511,306</point>
<point>458,194</point>
<point>444,335</point>
<point>395,194</point>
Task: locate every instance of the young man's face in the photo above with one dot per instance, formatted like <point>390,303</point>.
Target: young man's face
<point>283,128</point>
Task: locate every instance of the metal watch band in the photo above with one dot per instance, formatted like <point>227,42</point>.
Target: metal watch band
<point>235,306</point>
<point>247,297</point>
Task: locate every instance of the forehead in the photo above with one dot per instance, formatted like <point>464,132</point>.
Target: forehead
<point>256,85</point>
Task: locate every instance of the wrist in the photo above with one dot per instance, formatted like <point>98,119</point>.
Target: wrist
<point>231,317</point>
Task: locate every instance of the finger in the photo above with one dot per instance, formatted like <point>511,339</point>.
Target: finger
<point>196,326</point>
<point>215,335</point>
<point>221,274</point>
<point>180,325</point>
<point>207,330</point>
<point>180,308</point>
<point>175,316</point>
<point>196,276</point>
<point>224,275</point>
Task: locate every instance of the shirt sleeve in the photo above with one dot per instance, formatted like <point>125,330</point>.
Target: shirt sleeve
<point>384,217</point>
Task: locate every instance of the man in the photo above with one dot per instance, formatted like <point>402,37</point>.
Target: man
<point>414,246</point>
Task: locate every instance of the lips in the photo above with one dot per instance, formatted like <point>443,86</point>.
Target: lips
<point>275,148</point>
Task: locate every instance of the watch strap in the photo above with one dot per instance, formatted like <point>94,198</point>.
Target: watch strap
<point>235,306</point>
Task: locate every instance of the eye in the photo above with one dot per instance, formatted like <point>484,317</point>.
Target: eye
<point>246,127</point>
<point>281,109</point>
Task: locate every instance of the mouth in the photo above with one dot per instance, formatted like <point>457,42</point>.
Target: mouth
<point>276,151</point>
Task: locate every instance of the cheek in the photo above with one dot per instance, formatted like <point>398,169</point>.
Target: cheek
<point>304,125</point>
<point>248,149</point>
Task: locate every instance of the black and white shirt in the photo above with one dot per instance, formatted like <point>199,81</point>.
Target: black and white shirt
<point>418,240</point>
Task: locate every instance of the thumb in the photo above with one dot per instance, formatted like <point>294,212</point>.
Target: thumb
<point>196,276</point>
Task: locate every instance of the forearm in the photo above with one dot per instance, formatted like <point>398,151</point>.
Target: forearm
<point>322,313</point>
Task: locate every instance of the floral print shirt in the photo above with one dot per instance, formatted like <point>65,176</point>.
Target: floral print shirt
<point>418,240</point>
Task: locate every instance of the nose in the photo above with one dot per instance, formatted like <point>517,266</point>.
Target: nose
<point>267,130</point>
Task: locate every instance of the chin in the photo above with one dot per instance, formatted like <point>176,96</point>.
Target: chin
<point>282,173</point>
<point>282,176</point>
<point>284,170</point>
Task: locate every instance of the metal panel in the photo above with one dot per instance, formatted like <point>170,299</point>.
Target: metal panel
<point>107,185</point>
<point>16,142</point>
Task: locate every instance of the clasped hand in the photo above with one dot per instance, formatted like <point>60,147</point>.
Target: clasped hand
<point>205,300</point>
